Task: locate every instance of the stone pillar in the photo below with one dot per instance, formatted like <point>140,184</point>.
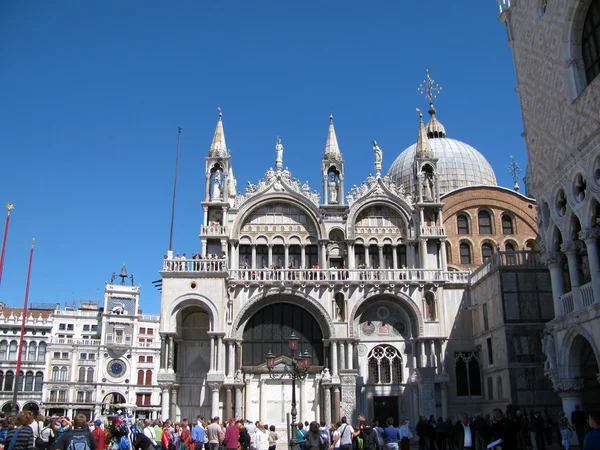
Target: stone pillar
<point>423,253</point>
<point>171,355</point>
<point>336,404</point>
<point>302,403</point>
<point>205,210</point>
<point>211,355</point>
<point>444,395</point>
<point>380,255</point>
<point>238,402</point>
<point>323,255</point>
<point>570,392</point>
<point>415,361</point>
<point>262,406</point>
<point>443,344</point>
<point>395,256</point>
<point>423,355</point>
<point>286,255</point>
<point>303,256</point>
<point>253,258</point>
<point>220,354</point>
<point>327,406</point>
<point>432,356</point>
<point>570,249</point>
<point>227,408</point>
<point>165,403</point>
<point>224,248</point>
<point>231,357</point>
<point>444,265</point>
<point>163,351</point>
<point>589,236</point>
<point>343,356</point>
<point>214,406</point>
<point>558,283</point>
<point>173,414</point>
<point>334,358</point>
<point>350,355</point>
<point>270,255</point>
<point>350,263</point>
<point>367,256</point>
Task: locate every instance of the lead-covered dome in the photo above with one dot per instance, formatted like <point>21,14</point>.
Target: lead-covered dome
<point>458,165</point>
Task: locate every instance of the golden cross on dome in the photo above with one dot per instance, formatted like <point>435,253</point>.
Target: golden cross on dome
<point>429,88</point>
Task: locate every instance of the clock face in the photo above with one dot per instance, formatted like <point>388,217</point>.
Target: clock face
<point>116,368</point>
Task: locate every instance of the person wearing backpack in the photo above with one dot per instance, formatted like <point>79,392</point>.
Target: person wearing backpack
<point>324,433</point>
<point>21,436</point>
<point>79,437</point>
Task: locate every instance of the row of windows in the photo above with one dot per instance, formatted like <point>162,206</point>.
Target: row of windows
<point>86,374</point>
<point>484,221</point>
<point>487,251</point>
<point>71,327</point>
<point>31,383</point>
<point>146,359</point>
<point>31,351</point>
<point>144,377</point>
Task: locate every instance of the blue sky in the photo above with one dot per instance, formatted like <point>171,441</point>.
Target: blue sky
<point>92,94</point>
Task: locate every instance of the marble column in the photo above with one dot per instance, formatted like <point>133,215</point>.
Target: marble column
<point>350,355</point>
<point>302,403</point>
<point>262,398</point>
<point>423,354</point>
<point>432,356</point>
<point>165,403</point>
<point>327,406</point>
<point>415,361</point>
<point>423,253</point>
<point>443,345</point>
<point>590,237</point>
<point>286,255</point>
<point>444,257</point>
<point>343,356</point>
<point>570,249</point>
<point>444,395</point>
<point>228,407</point>
<point>211,355</point>
<point>173,414</point>
<point>205,212</point>
<point>171,356</point>
<point>238,402</point>
<point>220,354</point>
<point>555,266</point>
<point>231,358</point>
<point>270,255</point>
<point>350,262</point>
<point>336,404</point>
<point>253,256</point>
<point>380,255</point>
<point>367,256</point>
<point>334,358</point>
<point>395,256</point>
<point>323,255</point>
<point>303,256</point>
<point>163,351</point>
<point>214,406</point>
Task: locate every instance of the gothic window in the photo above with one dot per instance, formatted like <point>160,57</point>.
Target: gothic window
<point>468,374</point>
<point>462,224</point>
<point>487,251</point>
<point>590,42</point>
<point>39,379</point>
<point>465,253</point>
<point>385,365</point>
<point>24,352</point>
<point>485,222</point>
<point>140,378</point>
<point>507,224</point>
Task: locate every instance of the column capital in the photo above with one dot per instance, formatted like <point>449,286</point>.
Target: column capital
<point>589,234</point>
<point>551,258</point>
<point>215,385</point>
<point>165,386</point>
<point>216,334</point>
<point>569,247</point>
<point>568,386</point>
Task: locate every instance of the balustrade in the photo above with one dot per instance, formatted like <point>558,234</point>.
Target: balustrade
<point>433,231</point>
<point>567,302</point>
<point>195,265</point>
<point>213,230</point>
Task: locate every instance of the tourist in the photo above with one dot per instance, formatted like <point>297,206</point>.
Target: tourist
<point>273,437</point>
<point>463,433</point>
<point>405,435</point>
<point>314,441</point>
<point>198,435</point>
<point>391,435</point>
<point>578,420</point>
<point>22,431</point>
<point>213,434</point>
<point>79,433</point>
<point>232,435</point>
<point>592,440</point>
<point>98,434</point>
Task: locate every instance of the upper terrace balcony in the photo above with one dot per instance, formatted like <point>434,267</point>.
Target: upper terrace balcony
<point>216,267</point>
<point>501,259</point>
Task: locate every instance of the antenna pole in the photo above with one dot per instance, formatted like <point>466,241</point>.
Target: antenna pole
<point>14,408</point>
<point>9,207</point>
<point>174,191</point>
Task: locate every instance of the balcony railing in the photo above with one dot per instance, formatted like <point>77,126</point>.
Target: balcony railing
<point>195,265</point>
<point>568,303</point>
<point>75,341</point>
<point>213,230</point>
<point>587,294</point>
<point>502,259</point>
<point>433,231</point>
<point>344,276</point>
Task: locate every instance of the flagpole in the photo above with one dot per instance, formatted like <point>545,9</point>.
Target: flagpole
<point>9,207</point>
<point>15,409</point>
<point>174,193</point>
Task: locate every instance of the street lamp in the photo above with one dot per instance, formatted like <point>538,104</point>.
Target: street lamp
<point>296,370</point>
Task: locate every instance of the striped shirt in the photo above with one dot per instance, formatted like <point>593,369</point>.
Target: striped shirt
<point>24,438</point>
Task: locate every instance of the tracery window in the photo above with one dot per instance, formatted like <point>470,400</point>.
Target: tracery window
<point>468,374</point>
<point>462,224</point>
<point>507,224</point>
<point>465,253</point>
<point>385,365</point>
<point>485,222</point>
<point>590,42</point>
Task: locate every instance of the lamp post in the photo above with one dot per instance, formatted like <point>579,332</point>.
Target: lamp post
<point>296,370</point>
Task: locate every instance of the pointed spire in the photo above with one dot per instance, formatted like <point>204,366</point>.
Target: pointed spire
<point>423,148</point>
<point>218,146</point>
<point>332,149</point>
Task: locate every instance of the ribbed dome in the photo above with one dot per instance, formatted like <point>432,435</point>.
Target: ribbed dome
<point>459,165</point>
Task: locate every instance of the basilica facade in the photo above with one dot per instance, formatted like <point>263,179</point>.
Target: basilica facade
<point>359,275</point>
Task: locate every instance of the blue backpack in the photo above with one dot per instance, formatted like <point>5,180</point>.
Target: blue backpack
<point>79,442</point>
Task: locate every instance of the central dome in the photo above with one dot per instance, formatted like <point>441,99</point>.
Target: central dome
<point>458,165</point>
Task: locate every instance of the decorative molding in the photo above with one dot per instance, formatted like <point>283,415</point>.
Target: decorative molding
<point>570,246</point>
<point>378,186</point>
<point>568,384</point>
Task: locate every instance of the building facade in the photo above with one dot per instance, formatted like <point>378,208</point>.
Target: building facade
<point>557,61</point>
<point>104,358</point>
<point>362,279</point>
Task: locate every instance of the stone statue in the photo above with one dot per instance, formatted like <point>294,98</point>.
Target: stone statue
<point>270,175</point>
<point>216,193</point>
<point>278,155</point>
<point>333,189</point>
<point>251,188</point>
<point>549,350</point>
<point>427,188</point>
<point>378,158</point>
<point>306,188</point>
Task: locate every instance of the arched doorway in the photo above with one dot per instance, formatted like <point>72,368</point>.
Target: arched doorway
<point>112,402</point>
<point>192,363</point>
<point>33,407</point>
<point>583,366</point>
<point>7,407</point>
<point>268,330</point>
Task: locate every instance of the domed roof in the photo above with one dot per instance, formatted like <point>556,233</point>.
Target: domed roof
<point>458,165</point>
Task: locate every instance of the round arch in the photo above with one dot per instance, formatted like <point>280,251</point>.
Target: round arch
<point>297,201</point>
<point>400,207</point>
<point>31,406</point>
<point>185,301</point>
<point>573,56</point>
<point>407,304</point>
<point>570,351</point>
<point>256,303</point>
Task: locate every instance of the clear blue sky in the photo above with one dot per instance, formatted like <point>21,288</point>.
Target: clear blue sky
<point>92,94</point>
